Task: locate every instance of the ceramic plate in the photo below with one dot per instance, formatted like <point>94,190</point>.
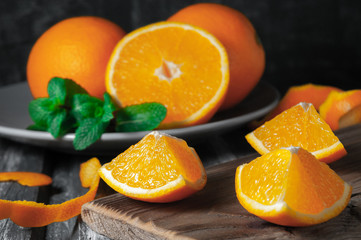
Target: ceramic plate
<point>14,119</point>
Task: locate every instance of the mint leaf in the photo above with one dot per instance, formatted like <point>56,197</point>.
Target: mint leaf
<point>85,106</point>
<point>88,132</point>
<point>36,128</point>
<point>109,107</point>
<point>60,123</point>
<point>40,111</point>
<point>64,89</point>
<point>141,117</point>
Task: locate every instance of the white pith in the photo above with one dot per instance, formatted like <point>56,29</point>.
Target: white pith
<point>174,71</point>
<point>318,154</point>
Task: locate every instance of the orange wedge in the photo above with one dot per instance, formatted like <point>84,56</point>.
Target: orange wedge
<point>159,168</point>
<point>299,126</point>
<point>181,66</point>
<point>291,187</point>
<point>311,93</point>
<point>338,104</point>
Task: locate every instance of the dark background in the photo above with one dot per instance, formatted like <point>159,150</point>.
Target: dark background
<point>316,41</point>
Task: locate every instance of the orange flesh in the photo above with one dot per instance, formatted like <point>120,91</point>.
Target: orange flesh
<point>305,184</point>
<point>177,94</point>
<point>267,190</point>
<point>137,168</point>
<point>296,125</point>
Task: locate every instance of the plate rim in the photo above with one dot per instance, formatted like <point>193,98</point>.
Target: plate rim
<point>16,133</point>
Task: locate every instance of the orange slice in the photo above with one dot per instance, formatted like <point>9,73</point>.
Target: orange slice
<point>299,126</point>
<point>159,168</point>
<point>338,104</point>
<point>181,66</point>
<point>291,187</point>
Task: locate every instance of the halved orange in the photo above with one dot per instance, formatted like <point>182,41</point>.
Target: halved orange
<point>159,168</point>
<point>291,187</point>
<point>300,126</point>
<point>181,66</point>
<point>338,104</point>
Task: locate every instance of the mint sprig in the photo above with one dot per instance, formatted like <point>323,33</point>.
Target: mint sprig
<point>69,108</point>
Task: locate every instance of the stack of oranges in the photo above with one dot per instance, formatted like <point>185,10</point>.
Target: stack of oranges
<point>192,63</point>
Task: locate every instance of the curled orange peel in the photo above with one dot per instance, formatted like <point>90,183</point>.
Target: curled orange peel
<point>30,179</point>
<point>33,214</point>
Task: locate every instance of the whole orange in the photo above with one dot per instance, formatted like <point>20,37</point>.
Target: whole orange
<point>237,34</point>
<point>76,48</point>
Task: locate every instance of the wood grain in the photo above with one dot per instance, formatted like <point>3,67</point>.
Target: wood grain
<point>215,213</point>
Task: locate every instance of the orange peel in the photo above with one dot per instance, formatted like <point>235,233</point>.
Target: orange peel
<point>311,93</point>
<point>338,104</point>
<point>30,179</point>
<point>33,214</point>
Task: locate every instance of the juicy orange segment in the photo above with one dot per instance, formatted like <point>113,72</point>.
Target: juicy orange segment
<point>337,105</point>
<point>299,126</point>
<point>33,214</point>
<point>179,65</point>
<point>291,187</point>
<point>159,168</point>
<point>30,179</point>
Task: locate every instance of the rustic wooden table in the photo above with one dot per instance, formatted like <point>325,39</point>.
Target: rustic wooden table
<point>213,150</point>
<point>64,169</point>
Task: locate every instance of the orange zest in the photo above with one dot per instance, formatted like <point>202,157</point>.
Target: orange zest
<point>300,126</point>
<point>338,104</point>
<point>178,65</point>
<point>291,187</point>
<point>30,179</point>
<point>159,168</point>
<point>33,214</point>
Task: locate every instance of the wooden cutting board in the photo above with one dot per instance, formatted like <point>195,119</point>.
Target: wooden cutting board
<point>215,213</point>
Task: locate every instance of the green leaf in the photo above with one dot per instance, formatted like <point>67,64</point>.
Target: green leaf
<point>64,89</point>
<point>88,132</point>
<point>35,127</point>
<point>84,106</point>
<point>141,117</point>
<point>55,123</point>
<point>109,107</point>
<point>40,110</point>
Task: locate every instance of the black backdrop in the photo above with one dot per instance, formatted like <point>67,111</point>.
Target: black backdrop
<point>316,41</point>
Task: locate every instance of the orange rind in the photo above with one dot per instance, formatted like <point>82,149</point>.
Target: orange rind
<point>338,104</point>
<point>159,168</point>
<point>33,214</point>
<point>300,126</point>
<point>290,187</point>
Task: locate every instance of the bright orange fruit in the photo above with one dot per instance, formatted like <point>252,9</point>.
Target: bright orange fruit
<point>234,30</point>
<point>338,104</point>
<point>300,126</point>
<point>159,168</point>
<point>76,48</point>
<point>181,66</point>
<point>291,187</point>
<point>311,93</point>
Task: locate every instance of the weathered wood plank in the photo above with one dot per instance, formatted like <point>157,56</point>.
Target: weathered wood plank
<point>18,157</point>
<point>214,213</point>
